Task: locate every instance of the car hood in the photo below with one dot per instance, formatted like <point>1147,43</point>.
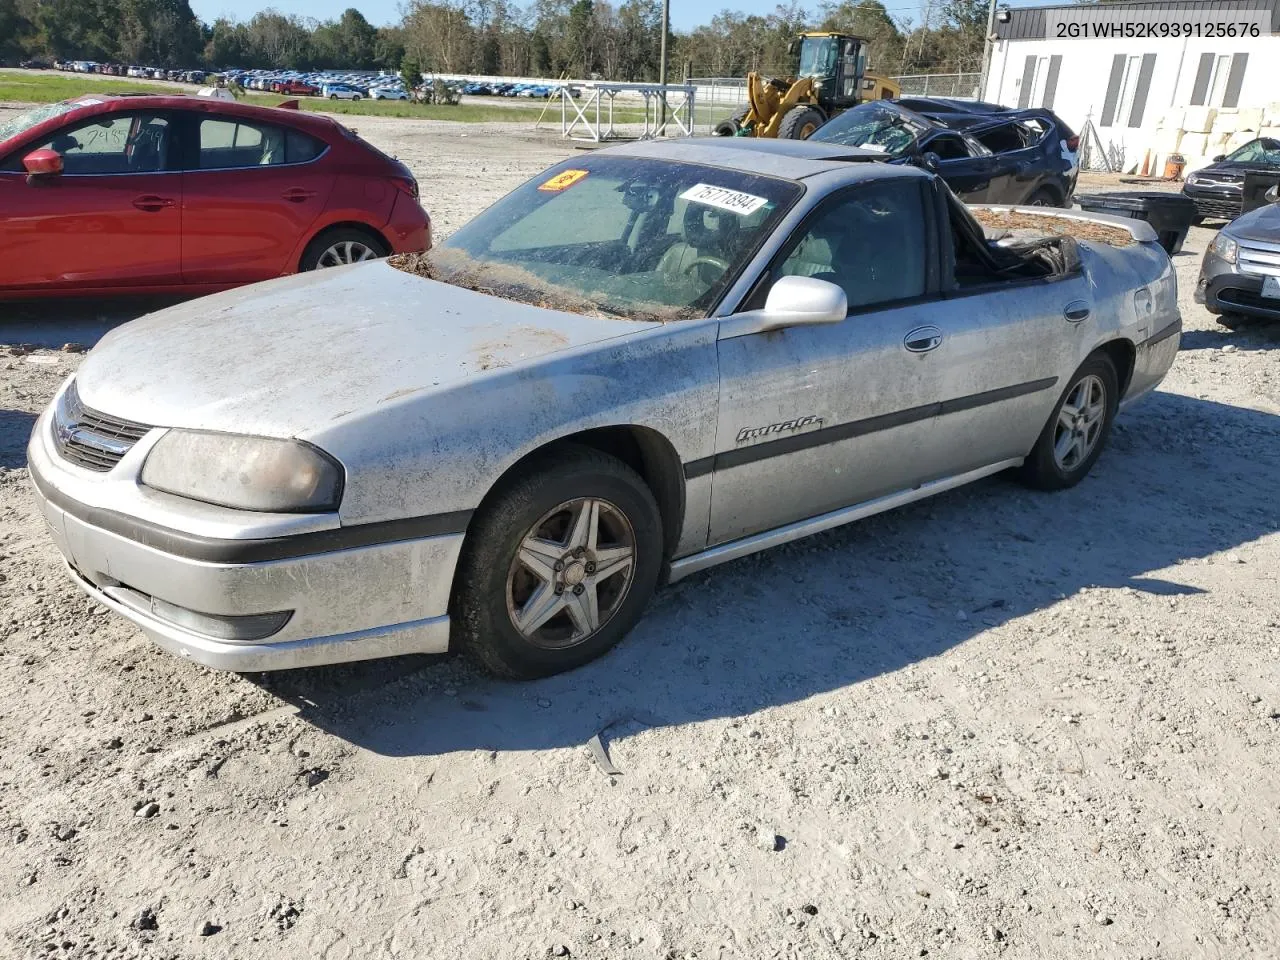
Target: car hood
<point>285,357</point>
<point>1233,173</point>
<point>1262,224</point>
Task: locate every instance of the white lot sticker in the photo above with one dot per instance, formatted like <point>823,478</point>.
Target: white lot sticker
<point>742,204</point>
<point>89,101</point>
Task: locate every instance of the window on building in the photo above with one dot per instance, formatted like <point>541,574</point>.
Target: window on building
<point>1218,80</point>
<point>1039,81</point>
<point>1126,100</point>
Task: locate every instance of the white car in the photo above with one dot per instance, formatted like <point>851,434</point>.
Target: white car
<point>388,93</point>
<point>341,91</point>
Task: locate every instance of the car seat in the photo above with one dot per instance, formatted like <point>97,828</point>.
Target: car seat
<point>708,232</point>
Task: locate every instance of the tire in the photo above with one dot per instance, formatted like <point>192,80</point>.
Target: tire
<point>730,126</point>
<point>1044,469</point>
<point>493,586</point>
<point>1234,321</point>
<point>318,253</point>
<point>333,96</point>
<point>800,122</point>
<point>1044,197</point>
<point>356,98</point>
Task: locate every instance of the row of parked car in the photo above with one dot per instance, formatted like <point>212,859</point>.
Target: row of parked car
<point>332,86</point>
<point>535,91</point>
<point>116,70</point>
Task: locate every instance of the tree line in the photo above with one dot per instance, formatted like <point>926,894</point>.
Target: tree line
<point>549,38</point>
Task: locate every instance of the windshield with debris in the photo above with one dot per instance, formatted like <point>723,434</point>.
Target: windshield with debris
<point>616,236</point>
<point>25,121</point>
<point>872,126</point>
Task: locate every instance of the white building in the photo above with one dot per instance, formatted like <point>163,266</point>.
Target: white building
<point>1146,96</point>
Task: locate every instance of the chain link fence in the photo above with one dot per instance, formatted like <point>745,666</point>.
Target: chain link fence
<point>719,98</point>
<point>961,86</point>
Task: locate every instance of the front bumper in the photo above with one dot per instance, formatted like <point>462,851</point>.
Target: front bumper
<point>358,603</point>
<point>1215,204</point>
<point>1236,293</point>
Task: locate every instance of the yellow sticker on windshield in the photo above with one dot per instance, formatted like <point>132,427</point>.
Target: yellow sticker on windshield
<point>563,180</point>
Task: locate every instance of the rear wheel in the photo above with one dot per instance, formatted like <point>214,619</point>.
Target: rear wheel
<point>800,122</point>
<point>1044,197</point>
<point>558,566</point>
<point>1077,430</point>
<point>333,96</point>
<point>334,248</point>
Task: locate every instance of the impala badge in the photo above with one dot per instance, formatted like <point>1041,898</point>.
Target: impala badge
<point>786,426</point>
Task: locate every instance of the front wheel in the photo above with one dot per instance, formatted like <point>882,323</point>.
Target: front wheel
<point>800,122</point>
<point>1077,430</point>
<point>558,566</point>
<point>333,96</point>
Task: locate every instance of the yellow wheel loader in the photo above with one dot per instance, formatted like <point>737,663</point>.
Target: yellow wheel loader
<point>831,78</point>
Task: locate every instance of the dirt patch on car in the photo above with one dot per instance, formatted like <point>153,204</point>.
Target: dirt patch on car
<point>1019,220</point>
<point>514,283</point>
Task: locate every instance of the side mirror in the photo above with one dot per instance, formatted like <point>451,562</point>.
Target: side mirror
<point>1273,193</point>
<point>43,163</point>
<point>1219,157</point>
<point>792,302</point>
<point>930,161</point>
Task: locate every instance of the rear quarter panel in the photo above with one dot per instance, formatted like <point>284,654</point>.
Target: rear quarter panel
<point>1117,275</point>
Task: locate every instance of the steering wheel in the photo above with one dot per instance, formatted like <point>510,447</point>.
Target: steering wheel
<point>705,261</point>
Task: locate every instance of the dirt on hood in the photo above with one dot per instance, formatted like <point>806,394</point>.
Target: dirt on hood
<point>1047,224</point>
<point>514,283</point>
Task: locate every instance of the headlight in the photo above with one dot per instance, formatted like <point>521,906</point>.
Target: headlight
<point>247,473</point>
<point>1192,179</point>
<point>1224,247</point>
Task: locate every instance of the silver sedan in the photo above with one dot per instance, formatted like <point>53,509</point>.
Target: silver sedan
<point>641,363</point>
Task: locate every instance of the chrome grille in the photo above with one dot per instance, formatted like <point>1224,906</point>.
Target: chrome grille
<point>1259,258</point>
<point>90,439</point>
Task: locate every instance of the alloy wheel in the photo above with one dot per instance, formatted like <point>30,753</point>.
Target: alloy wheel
<point>1080,422</point>
<point>571,573</point>
<point>346,251</point>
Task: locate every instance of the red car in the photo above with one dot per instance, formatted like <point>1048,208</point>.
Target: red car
<point>295,88</point>
<point>181,194</point>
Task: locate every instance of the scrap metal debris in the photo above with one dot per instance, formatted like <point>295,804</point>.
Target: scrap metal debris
<point>600,753</point>
<point>1057,226</point>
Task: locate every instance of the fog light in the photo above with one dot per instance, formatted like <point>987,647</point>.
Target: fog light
<point>257,626</point>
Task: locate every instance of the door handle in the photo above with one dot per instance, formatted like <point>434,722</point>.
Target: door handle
<point>1076,310</point>
<point>298,195</point>
<point>151,204</point>
<point>923,339</point>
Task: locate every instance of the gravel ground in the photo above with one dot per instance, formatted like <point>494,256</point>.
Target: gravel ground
<point>994,723</point>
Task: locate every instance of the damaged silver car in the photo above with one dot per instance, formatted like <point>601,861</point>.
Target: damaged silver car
<point>643,362</point>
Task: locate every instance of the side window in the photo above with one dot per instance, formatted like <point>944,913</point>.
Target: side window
<point>230,144</point>
<point>948,146</point>
<point>869,240</point>
<point>117,143</point>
